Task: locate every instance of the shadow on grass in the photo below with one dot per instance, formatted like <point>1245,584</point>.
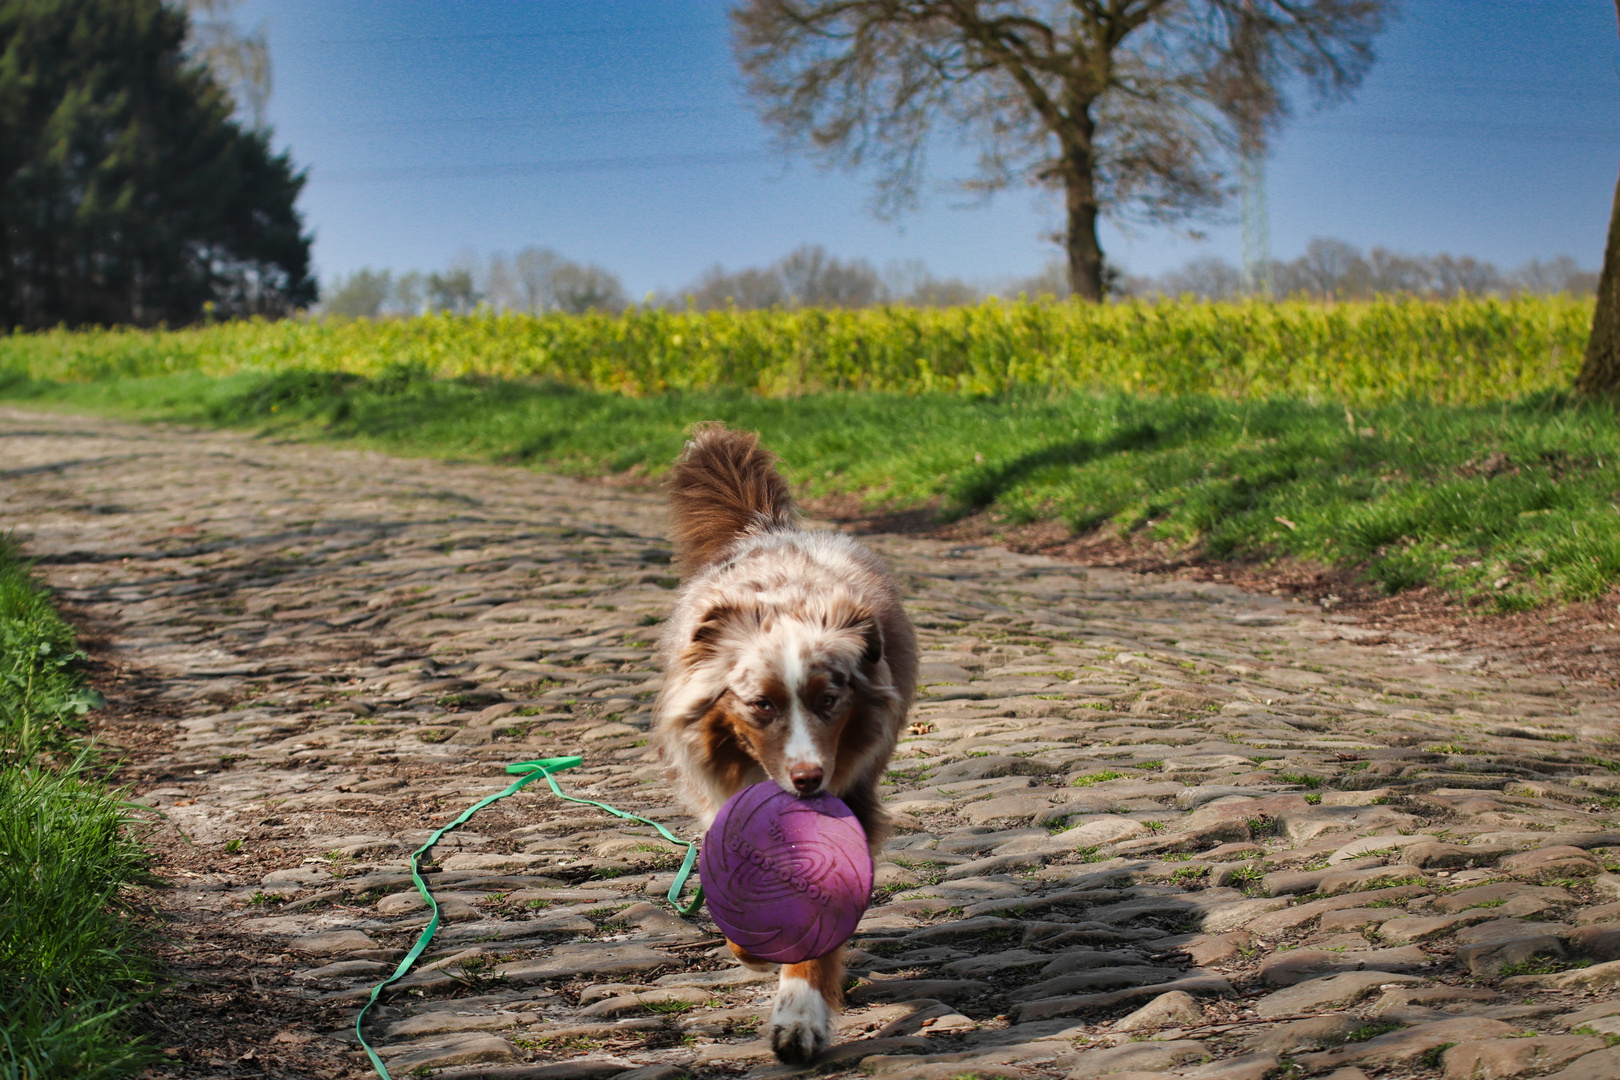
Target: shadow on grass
<point>981,486</point>
<point>1509,504</point>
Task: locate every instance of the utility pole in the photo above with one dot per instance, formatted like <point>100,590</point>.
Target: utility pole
<point>1251,119</point>
<point>1256,225</point>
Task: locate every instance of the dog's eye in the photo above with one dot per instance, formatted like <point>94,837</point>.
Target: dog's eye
<point>828,700</point>
<point>763,705</point>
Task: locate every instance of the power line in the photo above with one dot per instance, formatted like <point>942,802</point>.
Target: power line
<point>520,121</point>
<point>1505,134</point>
<point>541,119</point>
<point>584,166</point>
<point>534,35</point>
<point>1601,94</point>
<point>1520,90</point>
<point>539,168</point>
<point>1493,131</point>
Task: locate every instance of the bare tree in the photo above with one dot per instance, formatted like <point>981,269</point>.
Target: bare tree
<point>1560,274</point>
<point>499,284</point>
<point>749,289</point>
<point>1206,278</point>
<point>577,288</point>
<point>1334,270</point>
<point>1329,268</point>
<point>453,291</point>
<point>1130,107</point>
<point>1600,373</point>
<point>910,282</point>
<point>811,277</point>
<point>532,269</point>
<point>535,280</point>
<point>241,62</point>
<point>1391,272</point>
<point>361,295</point>
<point>1051,280</point>
<point>408,297</point>
<point>1455,275</point>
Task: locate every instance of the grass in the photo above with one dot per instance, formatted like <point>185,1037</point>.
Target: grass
<point>1608,1039</point>
<point>1091,779</point>
<point>1508,505</point>
<point>1247,879</point>
<point>1542,964</point>
<point>1263,826</point>
<point>43,699</point>
<point>1372,1029</point>
<point>72,962</point>
<point>1431,1058</point>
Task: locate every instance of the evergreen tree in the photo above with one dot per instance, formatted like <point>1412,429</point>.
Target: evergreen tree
<point>127,193</point>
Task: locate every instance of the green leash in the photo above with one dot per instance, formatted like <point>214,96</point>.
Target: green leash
<point>526,771</point>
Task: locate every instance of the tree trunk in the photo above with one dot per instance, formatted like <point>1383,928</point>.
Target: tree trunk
<point>1080,239</point>
<point>1600,373</point>
<point>1085,253</point>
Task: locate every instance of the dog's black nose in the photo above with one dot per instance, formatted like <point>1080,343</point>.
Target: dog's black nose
<point>806,778</point>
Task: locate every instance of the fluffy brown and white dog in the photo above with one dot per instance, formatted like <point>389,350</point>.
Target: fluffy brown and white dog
<point>788,658</point>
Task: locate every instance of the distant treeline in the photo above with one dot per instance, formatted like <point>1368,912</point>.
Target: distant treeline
<point>1335,270</point>
<point>538,280</point>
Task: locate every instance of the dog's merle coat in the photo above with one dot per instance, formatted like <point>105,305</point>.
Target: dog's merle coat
<point>788,658</point>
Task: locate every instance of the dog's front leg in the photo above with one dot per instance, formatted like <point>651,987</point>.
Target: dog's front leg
<point>807,1003</point>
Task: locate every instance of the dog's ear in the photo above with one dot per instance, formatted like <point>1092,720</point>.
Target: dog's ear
<point>874,641</point>
<point>713,626</point>
<point>859,619</point>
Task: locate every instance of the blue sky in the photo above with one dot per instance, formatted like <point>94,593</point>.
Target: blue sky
<point>616,132</point>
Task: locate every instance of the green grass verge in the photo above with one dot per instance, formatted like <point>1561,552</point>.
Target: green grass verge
<point>43,699</point>
<point>1510,504</point>
<point>72,960</point>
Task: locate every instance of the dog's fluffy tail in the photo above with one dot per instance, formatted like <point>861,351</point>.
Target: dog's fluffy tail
<point>723,485</point>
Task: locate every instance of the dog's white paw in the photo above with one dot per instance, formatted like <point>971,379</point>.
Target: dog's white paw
<point>801,1023</point>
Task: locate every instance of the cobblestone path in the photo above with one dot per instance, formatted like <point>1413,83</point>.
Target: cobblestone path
<point>1149,827</point>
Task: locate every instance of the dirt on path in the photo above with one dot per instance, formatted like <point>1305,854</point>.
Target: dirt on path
<point>1151,826</point>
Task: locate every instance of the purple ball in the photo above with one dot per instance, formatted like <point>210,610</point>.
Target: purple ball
<point>786,877</point>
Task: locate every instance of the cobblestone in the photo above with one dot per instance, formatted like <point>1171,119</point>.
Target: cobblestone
<point>1129,806</point>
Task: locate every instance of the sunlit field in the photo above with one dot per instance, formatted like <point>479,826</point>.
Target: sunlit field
<point>1456,352</point>
<point>1418,443</point>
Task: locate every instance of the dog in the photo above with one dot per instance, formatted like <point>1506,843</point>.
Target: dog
<point>788,658</point>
